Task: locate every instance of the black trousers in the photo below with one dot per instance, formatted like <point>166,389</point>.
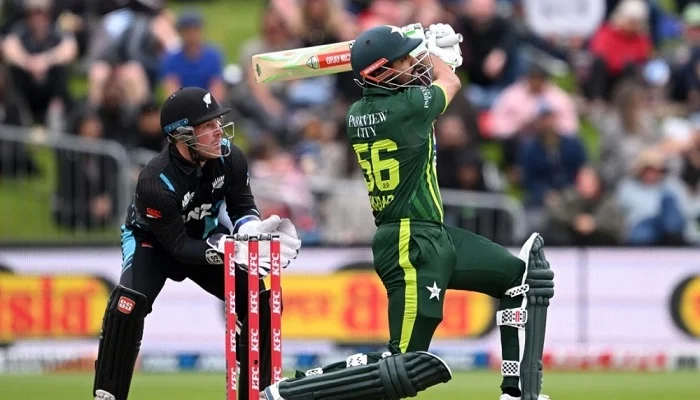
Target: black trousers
<point>38,95</point>
<point>147,266</point>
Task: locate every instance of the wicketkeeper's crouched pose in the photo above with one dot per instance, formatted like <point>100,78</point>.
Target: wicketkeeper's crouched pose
<point>416,256</point>
<point>172,232</point>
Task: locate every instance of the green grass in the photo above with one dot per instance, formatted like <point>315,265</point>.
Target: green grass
<point>18,225</point>
<point>472,386</point>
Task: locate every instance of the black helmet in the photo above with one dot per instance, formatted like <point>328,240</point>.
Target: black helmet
<point>382,42</point>
<point>189,107</point>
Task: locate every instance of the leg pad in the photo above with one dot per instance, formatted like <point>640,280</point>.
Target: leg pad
<point>120,341</point>
<point>394,377</point>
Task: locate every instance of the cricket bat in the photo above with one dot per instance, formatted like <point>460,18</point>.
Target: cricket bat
<point>307,62</point>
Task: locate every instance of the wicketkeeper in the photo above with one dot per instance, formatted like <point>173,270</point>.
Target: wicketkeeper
<point>172,232</point>
<point>416,256</point>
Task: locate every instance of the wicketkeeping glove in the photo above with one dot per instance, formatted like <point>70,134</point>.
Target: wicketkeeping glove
<point>289,241</point>
<point>274,225</point>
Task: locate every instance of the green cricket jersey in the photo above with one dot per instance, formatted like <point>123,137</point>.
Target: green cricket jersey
<point>392,135</point>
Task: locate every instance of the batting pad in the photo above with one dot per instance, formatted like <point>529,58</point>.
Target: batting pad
<point>120,341</point>
<point>394,377</point>
<point>539,279</point>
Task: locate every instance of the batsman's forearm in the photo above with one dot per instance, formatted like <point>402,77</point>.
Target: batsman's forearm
<point>445,77</point>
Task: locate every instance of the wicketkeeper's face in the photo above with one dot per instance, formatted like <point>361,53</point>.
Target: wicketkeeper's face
<point>209,135</point>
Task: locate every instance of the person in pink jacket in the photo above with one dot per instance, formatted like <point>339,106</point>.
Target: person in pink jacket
<point>516,109</point>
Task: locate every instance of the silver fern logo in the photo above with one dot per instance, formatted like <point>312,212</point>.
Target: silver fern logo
<point>218,183</point>
<point>207,99</point>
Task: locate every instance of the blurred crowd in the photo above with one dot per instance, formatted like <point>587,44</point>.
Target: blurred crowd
<point>587,112</point>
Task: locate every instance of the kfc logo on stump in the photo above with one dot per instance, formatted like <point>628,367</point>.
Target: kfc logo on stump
<point>232,340</point>
<point>276,302</point>
<point>277,340</point>
<point>125,305</point>
<point>233,374</point>
<point>254,306</point>
<point>275,264</point>
<point>232,303</point>
<point>277,374</point>
<point>255,340</point>
<point>255,378</point>
<point>253,263</point>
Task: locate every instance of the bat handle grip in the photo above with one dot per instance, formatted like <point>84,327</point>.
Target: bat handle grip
<point>448,41</point>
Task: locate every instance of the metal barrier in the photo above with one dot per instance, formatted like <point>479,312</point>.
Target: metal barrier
<point>490,222</point>
<point>339,206</point>
<point>79,184</point>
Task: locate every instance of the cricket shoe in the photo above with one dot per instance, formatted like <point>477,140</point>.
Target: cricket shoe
<point>509,397</point>
<point>104,395</point>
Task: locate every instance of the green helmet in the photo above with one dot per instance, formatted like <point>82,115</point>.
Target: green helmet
<point>377,48</point>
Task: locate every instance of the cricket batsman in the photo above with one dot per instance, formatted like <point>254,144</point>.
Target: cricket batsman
<point>172,232</point>
<point>416,256</point>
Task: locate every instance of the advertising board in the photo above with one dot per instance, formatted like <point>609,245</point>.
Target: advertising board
<point>617,307</point>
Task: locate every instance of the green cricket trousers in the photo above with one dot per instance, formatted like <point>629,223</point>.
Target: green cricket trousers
<point>417,261</point>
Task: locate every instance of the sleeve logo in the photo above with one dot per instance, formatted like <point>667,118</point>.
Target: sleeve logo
<point>152,213</point>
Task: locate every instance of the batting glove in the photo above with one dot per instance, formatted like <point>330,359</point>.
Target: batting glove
<point>441,30</point>
<point>451,55</point>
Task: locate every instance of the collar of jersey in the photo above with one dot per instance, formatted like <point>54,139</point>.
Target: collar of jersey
<point>377,91</point>
<point>185,165</point>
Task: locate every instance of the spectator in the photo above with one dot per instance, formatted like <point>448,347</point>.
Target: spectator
<point>489,51</point>
<point>518,104</point>
<point>470,175</point>
<point>620,47</point>
<point>149,135</point>
<point>87,183</point>
<point>427,12</point>
<point>550,161</point>
<point>625,129</point>
<point>453,139</point>
<point>133,52</point>
<point>320,153</point>
<point>38,55</point>
<point>73,17</point>
<point>11,12</point>
<point>685,82</point>
<point>117,114</point>
<point>197,63</point>
<point>274,165</point>
<point>383,12</point>
<point>318,22</point>
<point>264,107</point>
<point>15,161</point>
<point>653,202</point>
<point>690,174</point>
<point>585,214</point>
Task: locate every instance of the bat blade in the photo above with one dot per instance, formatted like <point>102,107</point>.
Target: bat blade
<point>302,63</point>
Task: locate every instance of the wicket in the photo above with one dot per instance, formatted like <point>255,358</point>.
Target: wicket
<point>253,313</point>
